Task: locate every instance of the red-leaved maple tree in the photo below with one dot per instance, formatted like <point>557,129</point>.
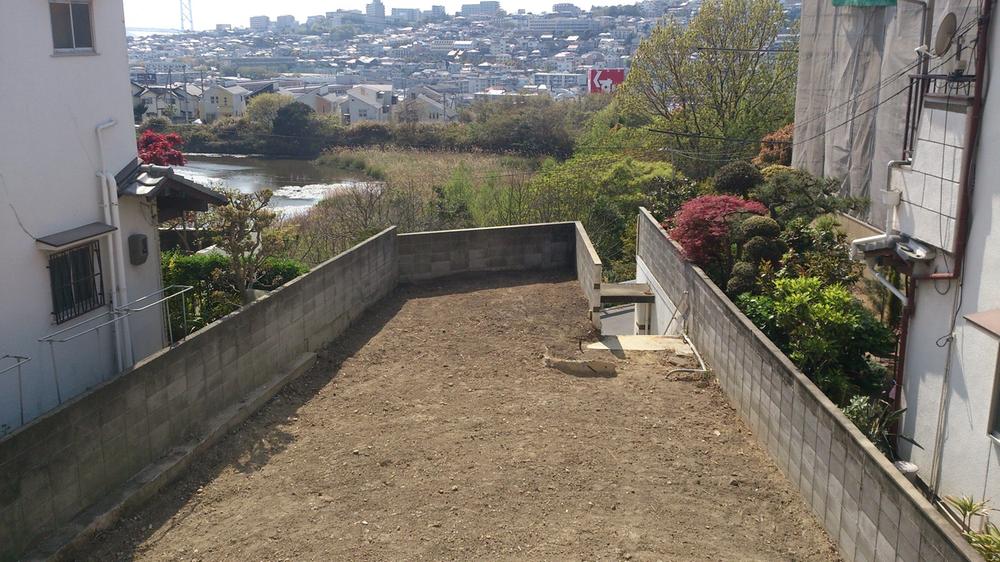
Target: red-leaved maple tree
<point>161,150</point>
<point>703,227</point>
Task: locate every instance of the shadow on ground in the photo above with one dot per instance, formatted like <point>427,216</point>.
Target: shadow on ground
<point>263,435</point>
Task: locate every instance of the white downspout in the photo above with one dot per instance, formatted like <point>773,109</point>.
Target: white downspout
<point>116,257</point>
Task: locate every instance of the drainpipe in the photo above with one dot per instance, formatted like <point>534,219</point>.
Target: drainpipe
<point>116,257</point>
<point>926,29</point>
<point>909,304</point>
<point>966,187</point>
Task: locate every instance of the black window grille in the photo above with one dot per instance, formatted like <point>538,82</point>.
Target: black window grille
<point>77,285</point>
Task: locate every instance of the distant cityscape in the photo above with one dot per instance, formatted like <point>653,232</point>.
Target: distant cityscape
<point>361,65</point>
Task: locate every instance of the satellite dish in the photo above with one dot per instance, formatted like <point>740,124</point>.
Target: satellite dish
<point>945,35</point>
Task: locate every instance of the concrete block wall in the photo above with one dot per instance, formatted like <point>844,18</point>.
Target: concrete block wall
<point>869,509</point>
<point>74,457</point>
<point>66,461</point>
<point>589,272</point>
<point>430,255</point>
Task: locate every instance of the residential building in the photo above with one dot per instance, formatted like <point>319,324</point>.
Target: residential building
<point>260,23</point>
<point>375,14</point>
<point>566,8</point>
<point>558,25</point>
<point>368,102</point>
<point>559,79</point>
<point>423,105</point>
<point>177,102</point>
<point>406,15</point>
<point>322,100</point>
<point>78,212</point>
<point>285,23</point>
<point>932,150</point>
<point>224,101</point>
<point>485,8</point>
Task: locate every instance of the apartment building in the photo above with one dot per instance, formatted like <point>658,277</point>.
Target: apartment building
<point>929,148</point>
<point>78,212</point>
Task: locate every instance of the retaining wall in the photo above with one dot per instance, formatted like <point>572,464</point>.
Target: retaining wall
<point>64,462</point>
<point>869,509</point>
<point>62,468</point>
<point>590,272</point>
<point>430,255</point>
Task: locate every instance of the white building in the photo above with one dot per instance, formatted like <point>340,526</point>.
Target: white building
<point>78,233</point>
<point>942,207</point>
<point>368,102</point>
<point>224,101</point>
<point>286,23</point>
<point>559,79</point>
<point>260,23</point>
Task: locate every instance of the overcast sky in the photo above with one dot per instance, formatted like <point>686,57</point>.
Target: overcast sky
<point>207,13</point>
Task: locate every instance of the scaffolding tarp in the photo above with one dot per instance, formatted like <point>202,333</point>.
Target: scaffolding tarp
<point>850,107</point>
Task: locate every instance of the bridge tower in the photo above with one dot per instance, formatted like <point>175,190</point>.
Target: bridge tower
<point>187,19</point>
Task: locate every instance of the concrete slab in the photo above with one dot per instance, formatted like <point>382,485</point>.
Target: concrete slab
<point>672,344</point>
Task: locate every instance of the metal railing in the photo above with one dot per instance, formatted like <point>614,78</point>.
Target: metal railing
<point>88,326</point>
<point>920,86</point>
<point>18,361</point>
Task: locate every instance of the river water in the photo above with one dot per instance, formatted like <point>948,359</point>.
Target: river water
<point>296,184</point>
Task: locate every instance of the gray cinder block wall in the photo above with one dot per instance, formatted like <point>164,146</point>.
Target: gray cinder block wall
<point>66,462</point>
<point>430,255</point>
<point>590,273</point>
<point>869,509</point>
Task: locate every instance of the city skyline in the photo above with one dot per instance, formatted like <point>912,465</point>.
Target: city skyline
<point>165,14</point>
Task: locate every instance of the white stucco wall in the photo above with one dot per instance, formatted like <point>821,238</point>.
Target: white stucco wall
<point>970,460</point>
<point>663,309</point>
<point>49,161</point>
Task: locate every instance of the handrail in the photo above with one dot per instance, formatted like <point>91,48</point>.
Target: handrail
<point>183,289</point>
<point>19,360</point>
<point>117,314</point>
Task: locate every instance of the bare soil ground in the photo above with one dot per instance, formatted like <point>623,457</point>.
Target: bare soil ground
<point>435,431</point>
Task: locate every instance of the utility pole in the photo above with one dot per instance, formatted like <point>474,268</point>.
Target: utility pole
<point>187,18</point>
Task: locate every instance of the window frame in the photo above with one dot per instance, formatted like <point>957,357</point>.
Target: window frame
<point>75,50</point>
<point>92,281</point>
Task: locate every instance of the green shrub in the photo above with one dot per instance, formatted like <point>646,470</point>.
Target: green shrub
<point>742,279</point>
<point>795,194</point>
<point>156,124</point>
<point>760,226</point>
<point>278,271</point>
<point>877,419</point>
<point>213,294</point>
<point>759,249</point>
<point>819,249</point>
<point>737,178</point>
<point>826,333</point>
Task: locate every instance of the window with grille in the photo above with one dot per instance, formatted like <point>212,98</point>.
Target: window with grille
<point>77,286</point>
<point>72,25</point>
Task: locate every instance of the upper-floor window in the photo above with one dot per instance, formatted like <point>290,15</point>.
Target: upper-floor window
<point>72,25</point>
<point>77,284</point>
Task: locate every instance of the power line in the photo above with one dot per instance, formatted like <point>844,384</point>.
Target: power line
<point>738,50</point>
<point>715,137</point>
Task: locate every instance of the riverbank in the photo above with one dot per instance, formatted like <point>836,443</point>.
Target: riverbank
<point>297,184</point>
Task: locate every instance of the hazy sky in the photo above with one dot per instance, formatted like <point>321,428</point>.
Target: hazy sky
<point>207,13</point>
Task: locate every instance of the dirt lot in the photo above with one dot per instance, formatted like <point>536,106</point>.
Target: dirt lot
<point>435,432</point>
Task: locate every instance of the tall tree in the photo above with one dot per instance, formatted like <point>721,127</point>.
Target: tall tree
<point>248,232</point>
<point>721,77</point>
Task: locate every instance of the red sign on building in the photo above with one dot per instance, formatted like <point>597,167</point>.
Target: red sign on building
<point>605,80</point>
